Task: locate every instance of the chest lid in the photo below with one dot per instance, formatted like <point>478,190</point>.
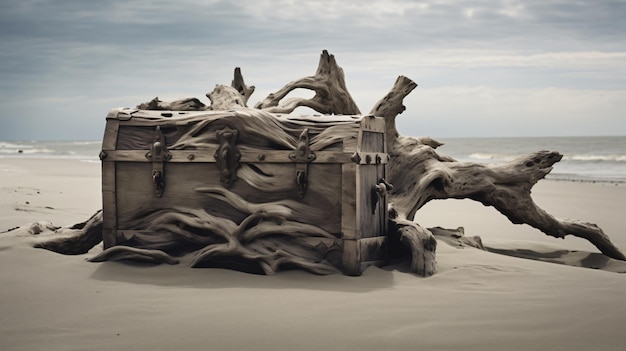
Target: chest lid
<point>258,135</point>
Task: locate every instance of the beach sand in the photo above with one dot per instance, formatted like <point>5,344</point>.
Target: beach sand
<point>478,300</point>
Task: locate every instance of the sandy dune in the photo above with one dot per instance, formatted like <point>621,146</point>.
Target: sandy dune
<point>479,300</point>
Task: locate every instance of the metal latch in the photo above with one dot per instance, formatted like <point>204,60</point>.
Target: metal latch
<point>158,155</point>
<point>302,156</point>
<point>379,191</point>
<point>227,155</point>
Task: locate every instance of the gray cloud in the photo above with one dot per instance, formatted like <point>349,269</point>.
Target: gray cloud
<point>73,60</point>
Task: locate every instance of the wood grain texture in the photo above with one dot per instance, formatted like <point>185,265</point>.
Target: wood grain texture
<point>109,187</point>
<point>186,104</point>
<point>331,94</point>
<point>240,85</point>
<point>196,214</point>
<point>76,239</point>
<point>390,106</point>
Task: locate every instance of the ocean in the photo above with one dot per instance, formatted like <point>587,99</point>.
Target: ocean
<point>586,159</point>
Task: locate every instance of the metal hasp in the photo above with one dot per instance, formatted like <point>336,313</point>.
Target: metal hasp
<point>227,155</point>
<point>302,156</point>
<point>158,155</point>
<point>380,190</point>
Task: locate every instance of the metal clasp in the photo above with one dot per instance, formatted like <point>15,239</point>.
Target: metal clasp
<point>379,191</point>
<point>158,155</point>
<point>302,156</point>
<point>227,155</point>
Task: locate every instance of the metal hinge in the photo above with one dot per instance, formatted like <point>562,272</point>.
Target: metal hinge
<point>158,155</point>
<point>379,191</point>
<point>302,156</point>
<point>227,155</point>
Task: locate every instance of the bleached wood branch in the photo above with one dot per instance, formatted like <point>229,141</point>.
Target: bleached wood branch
<point>239,84</point>
<point>419,175</point>
<point>187,104</point>
<point>391,106</point>
<point>331,94</point>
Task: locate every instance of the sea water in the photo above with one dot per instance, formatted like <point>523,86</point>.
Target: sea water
<point>87,151</point>
<point>592,159</point>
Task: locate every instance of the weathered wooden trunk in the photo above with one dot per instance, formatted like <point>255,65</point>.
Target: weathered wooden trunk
<point>179,181</point>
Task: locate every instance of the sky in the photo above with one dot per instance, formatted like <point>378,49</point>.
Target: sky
<point>484,68</point>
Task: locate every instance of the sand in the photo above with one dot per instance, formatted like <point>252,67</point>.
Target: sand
<point>477,301</point>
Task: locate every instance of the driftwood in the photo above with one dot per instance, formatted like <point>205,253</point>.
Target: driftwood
<point>239,85</point>
<point>73,240</point>
<point>120,253</point>
<point>331,94</point>
<point>418,174</point>
<point>390,106</point>
<point>189,104</point>
<point>222,98</point>
<point>505,186</point>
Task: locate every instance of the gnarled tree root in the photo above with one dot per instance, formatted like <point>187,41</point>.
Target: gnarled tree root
<point>407,238</point>
<point>187,104</point>
<point>120,252</point>
<point>419,175</point>
<point>74,240</point>
<point>331,94</point>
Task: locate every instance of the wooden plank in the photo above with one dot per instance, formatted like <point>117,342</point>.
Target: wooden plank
<point>373,249</point>
<point>358,202</point>
<point>109,141</point>
<point>134,117</point>
<point>372,212</point>
<point>373,124</point>
<point>368,216</point>
<point>320,206</point>
<point>109,198</point>
<point>351,258</point>
<point>348,202</point>
<point>120,114</point>
<point>248,155</point>
<point>383,214</point>
<point>279,156</point>
<point>372,142</point>
<point>109,203</point>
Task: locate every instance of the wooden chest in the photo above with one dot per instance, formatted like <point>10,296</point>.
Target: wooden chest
<point>307,191</point>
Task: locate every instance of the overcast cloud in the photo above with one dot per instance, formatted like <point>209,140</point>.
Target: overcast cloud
<point>484,68</point>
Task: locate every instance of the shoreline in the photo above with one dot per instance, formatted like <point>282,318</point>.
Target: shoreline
<point>560,178</point>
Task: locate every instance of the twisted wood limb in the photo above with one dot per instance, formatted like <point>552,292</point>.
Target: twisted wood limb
<point>230,97</point>
<point>118,253</point>
<point>74,240</point>
<point>331,94</point>
<point>419,175</point>
<point>390,106</point>
<point>187,104</point>
<point>239,84</point>
<point>407,238</point>
<point>225,98</point>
